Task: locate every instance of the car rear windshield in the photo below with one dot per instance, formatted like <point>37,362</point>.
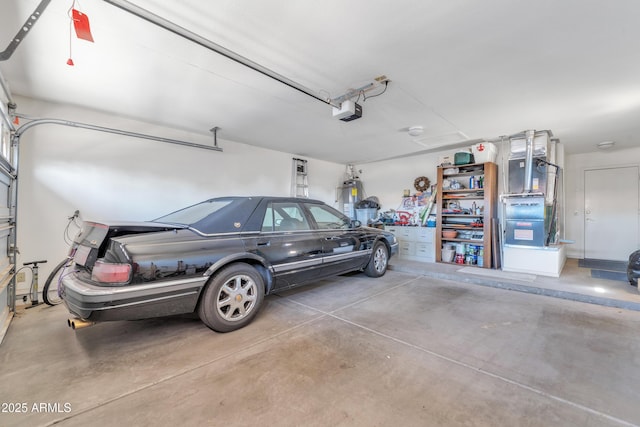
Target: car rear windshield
<point>222,215</point>
<point>195,213</point>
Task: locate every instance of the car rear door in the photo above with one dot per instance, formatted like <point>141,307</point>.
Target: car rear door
<point>344,248</point>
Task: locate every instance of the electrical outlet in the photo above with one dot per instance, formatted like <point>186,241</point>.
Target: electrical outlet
<point>20,277</point>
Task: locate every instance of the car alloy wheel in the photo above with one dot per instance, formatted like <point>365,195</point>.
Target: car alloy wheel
<point>379,261</point>
<point>237,298</point>
<point>232,298</point>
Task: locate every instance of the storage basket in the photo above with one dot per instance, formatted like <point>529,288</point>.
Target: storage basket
<point>463,158</point>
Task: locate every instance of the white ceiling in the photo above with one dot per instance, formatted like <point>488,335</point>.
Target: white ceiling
<point>460,68</point>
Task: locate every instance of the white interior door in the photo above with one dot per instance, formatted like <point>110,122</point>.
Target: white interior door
<point>611,213</point>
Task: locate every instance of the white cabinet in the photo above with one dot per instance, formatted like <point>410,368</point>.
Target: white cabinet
<point>415,243</point>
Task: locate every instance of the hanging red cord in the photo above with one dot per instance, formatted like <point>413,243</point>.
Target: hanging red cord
<point>70,61</point>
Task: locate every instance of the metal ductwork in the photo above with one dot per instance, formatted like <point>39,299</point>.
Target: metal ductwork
<point>525,209</point>
<point>528,161</point>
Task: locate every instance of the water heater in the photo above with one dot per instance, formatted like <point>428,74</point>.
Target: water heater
<point>350,193</point>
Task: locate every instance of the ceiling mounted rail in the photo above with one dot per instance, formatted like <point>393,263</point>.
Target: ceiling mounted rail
<point>35,122</point>
<point>195,38</point>
<point>24,30</point>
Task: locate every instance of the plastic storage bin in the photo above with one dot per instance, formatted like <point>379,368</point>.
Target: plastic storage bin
<point>365,216</point>
<point>484,152</point>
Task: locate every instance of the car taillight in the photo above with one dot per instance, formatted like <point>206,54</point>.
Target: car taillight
<point>106,272</point>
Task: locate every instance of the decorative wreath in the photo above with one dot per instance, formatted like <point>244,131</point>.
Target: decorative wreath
<point>421,183</point>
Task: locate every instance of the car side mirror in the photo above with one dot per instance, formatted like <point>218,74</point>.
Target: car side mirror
<point>355,223</point>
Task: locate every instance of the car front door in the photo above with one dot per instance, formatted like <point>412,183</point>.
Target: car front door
<point>343,247</point>
<point>288,241</point>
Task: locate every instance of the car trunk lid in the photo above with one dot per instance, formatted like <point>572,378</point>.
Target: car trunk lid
<point>93,240</point>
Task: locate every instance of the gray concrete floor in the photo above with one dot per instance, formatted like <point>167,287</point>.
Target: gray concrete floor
<point>407,349</point>
<point>574,283</point>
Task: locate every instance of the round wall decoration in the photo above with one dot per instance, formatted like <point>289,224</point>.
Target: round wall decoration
<point>421,183</point>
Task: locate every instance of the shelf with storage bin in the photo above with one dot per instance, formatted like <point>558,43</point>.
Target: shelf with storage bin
<point>467,198</point>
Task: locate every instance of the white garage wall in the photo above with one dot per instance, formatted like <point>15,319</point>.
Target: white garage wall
<point>574,179</point>
<point>387,180</point>
<point>108,176</point>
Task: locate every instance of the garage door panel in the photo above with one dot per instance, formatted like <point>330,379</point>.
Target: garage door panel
<point>8,179</point>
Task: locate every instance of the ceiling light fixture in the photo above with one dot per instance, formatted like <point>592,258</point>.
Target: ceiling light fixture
<point>605,145</point>
<point>416,130</point>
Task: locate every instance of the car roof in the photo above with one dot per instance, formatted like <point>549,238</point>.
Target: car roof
<point>240,215</point>
<point>288,199</point>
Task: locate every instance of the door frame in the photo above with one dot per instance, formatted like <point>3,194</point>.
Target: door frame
<point>584,200</point>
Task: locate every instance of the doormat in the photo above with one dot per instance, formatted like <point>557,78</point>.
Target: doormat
<point>609,275</point>
<point>603,264</point>
<point>498,274</point>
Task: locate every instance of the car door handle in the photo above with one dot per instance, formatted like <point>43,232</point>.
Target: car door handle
<point>332,238</point>
<point>267,243</point>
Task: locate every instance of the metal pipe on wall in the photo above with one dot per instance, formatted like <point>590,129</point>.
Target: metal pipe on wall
<point>528,163</point>
<point>35,122</point>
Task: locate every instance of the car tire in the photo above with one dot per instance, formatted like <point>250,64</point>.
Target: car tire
<point>232,298</point>
<point>379,261</point>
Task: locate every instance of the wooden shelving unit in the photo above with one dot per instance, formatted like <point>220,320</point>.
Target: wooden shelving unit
<point>470,212</point>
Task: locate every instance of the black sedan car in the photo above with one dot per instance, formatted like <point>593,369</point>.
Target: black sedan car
<point>218,258</point>
<point>633,268</point>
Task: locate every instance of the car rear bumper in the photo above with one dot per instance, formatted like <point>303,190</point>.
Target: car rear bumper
<point>99,303</point>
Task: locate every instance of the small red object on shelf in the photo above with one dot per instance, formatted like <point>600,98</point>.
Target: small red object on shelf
<point>404,217</point>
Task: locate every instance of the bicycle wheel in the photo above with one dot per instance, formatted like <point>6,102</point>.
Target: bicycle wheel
<point>50,293</point>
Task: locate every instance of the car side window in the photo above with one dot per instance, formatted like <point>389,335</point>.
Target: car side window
<point>268,223</point>
<point>284,216</point>
<point>327,218</point>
